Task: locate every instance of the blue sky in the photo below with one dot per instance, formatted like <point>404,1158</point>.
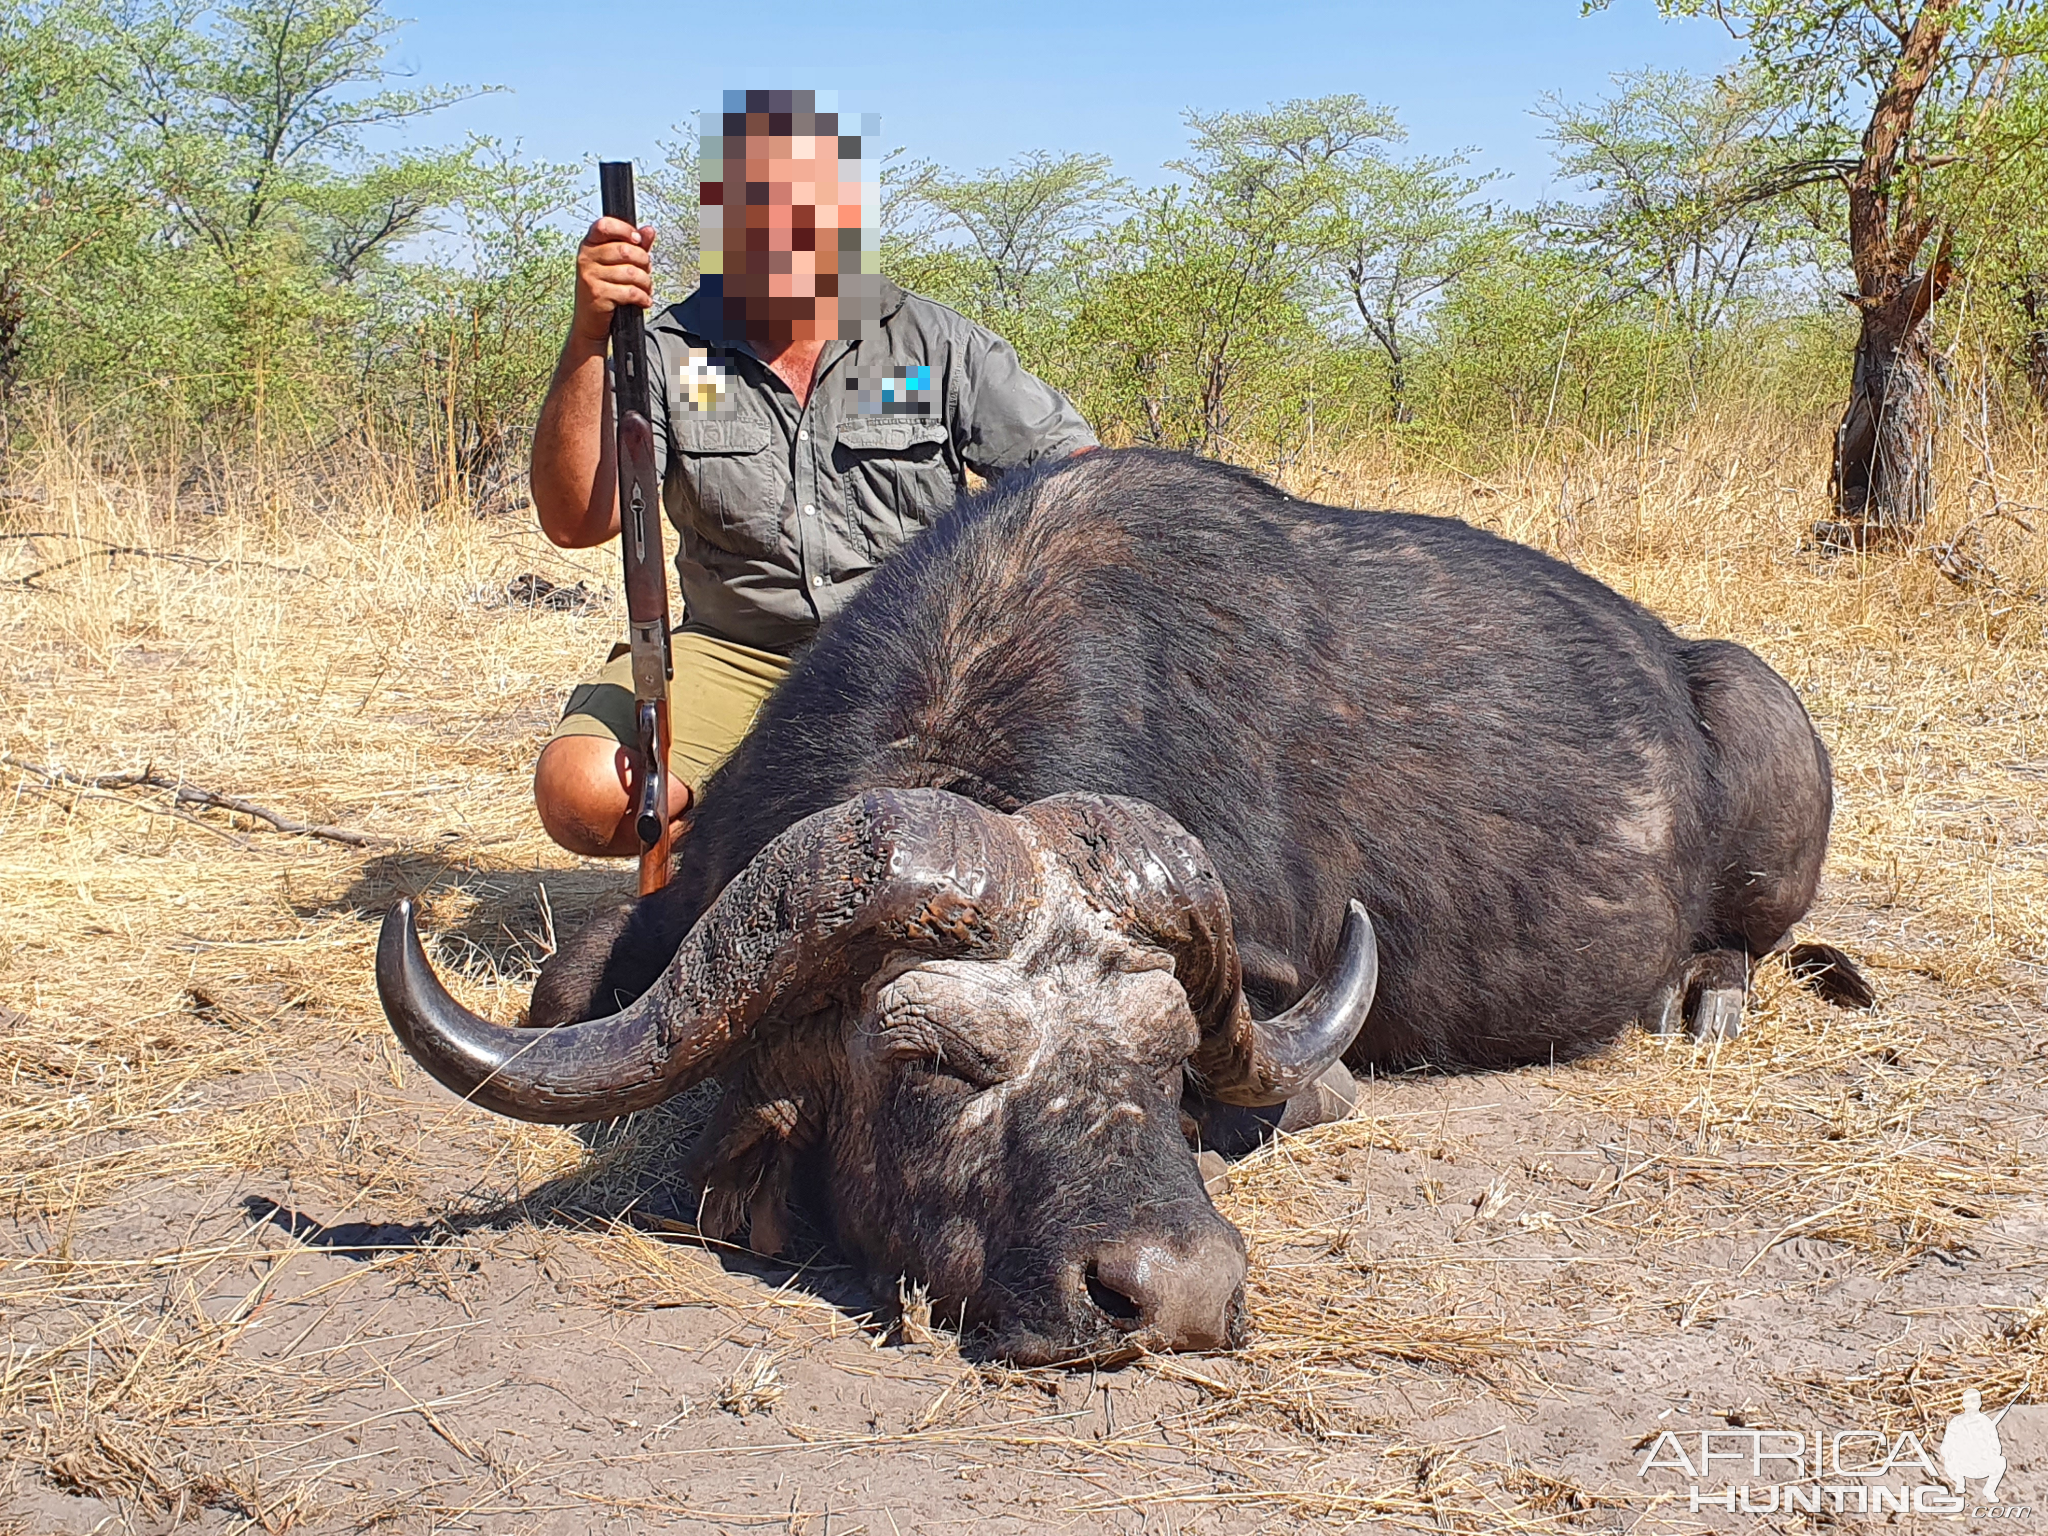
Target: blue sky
<point>970,85</point>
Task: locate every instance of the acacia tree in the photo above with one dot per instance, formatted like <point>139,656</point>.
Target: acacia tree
<point>1182,319</point>
<point>667,190</point>
<point>1671,159</point>
<point>486,340</point>
<point>1403,232</point>
<point>57,197</point>
<point>242,116</point>
<point>1904,80</point>
<point>1013,225</point>
<point>1883,471</point>
<point>1269,210</point>
<point>241,128</point>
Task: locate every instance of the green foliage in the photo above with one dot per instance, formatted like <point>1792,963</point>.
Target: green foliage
<point>1196,319</point>
<point>1541,343</point>
<point>1834,56</point>
<point>1019,225</point>
<point>240,118</point>
<point>1999,220</point>
<point>69,215</point>
<point>202,215</point>
<point>1187,333</point>
<point>666,189</point>
<point>478,335</point>
<point>1205,313</point>
<point>1402,233</point>
<point>201,241</point>
<point>1673,162</point>
<point>1955,159</point>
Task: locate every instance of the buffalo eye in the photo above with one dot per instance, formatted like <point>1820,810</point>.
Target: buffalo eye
<point>939,1070</point>
<point>939,1058</point>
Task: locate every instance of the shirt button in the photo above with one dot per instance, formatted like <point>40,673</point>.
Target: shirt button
<point>809,510</point>
<point>803,433</point>
<point>817,581</point>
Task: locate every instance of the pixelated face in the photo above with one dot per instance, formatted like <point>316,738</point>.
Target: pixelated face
<point>785,207</point>
<point>798,203</point>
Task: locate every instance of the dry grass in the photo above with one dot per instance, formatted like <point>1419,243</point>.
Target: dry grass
<point>195,1062</point>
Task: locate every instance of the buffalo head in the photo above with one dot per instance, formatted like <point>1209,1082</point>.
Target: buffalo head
<point>976,1029</point>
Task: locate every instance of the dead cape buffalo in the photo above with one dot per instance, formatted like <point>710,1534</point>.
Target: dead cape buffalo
<point>1065,832</point>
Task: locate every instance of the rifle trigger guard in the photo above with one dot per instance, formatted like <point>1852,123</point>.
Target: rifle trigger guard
<point>653,815</point>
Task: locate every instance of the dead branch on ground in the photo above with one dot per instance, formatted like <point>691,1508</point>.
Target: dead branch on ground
<point>189,794</point>
<point>30,582</point>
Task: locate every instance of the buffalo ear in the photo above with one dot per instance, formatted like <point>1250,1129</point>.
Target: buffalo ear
<point>567,985</point>
<point>610,961</point>
<point>744,1162</point>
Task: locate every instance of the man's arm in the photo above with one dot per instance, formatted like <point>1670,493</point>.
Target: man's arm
<point>1008,417</point>
<point>574,476</point>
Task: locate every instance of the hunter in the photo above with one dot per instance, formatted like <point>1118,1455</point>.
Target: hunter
<point>809,419</point>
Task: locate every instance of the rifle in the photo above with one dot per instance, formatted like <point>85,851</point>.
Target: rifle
<point>640,540</point>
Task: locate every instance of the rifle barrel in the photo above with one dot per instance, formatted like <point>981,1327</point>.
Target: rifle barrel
<point>640,543</point>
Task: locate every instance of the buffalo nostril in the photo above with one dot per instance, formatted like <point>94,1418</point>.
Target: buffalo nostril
<point>1184,1289</point>
<point>1111,1302</point>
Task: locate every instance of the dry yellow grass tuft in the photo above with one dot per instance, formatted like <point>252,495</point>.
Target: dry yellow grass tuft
<point>256,1265</point>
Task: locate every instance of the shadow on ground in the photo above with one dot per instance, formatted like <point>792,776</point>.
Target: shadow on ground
<point>499,923</point>
<point>633,1175</point>
<point>488,920</point>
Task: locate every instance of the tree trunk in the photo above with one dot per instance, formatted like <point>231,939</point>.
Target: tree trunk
<point>13,312</point>
<point>1883,480</point>
<point>2034,343</point>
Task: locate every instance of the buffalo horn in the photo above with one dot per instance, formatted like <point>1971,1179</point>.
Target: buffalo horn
<point>1268,1061</point>
<point>1140,864</point>
<point>915,870</point>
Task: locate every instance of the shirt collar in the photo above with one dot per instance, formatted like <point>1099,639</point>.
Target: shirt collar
<point>701,316</point>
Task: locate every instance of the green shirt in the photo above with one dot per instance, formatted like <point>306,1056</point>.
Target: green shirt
<point>783,510</point>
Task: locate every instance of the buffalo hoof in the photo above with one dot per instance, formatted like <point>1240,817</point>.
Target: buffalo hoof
<point>1233,1132</point>
<point>1705,996</point>
<point>1667,1013</point>
<point>1717,985</point>
<point>1717,1015</point>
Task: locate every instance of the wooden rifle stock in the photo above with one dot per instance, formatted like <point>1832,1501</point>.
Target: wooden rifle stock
<point>640,539</point>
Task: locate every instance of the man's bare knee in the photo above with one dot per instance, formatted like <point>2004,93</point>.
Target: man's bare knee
<point>583,788</point>
<point>580,790</point>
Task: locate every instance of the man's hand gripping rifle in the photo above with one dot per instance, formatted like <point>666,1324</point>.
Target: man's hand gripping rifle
<point>640,538</point>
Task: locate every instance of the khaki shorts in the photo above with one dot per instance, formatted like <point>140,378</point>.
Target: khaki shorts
<point>717,690</point>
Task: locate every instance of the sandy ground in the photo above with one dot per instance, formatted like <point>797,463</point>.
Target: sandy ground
<point>261,1274</point>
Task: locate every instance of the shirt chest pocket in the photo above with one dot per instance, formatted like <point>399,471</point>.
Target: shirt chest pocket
<point>734,488</point>
<point>897,476</point>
